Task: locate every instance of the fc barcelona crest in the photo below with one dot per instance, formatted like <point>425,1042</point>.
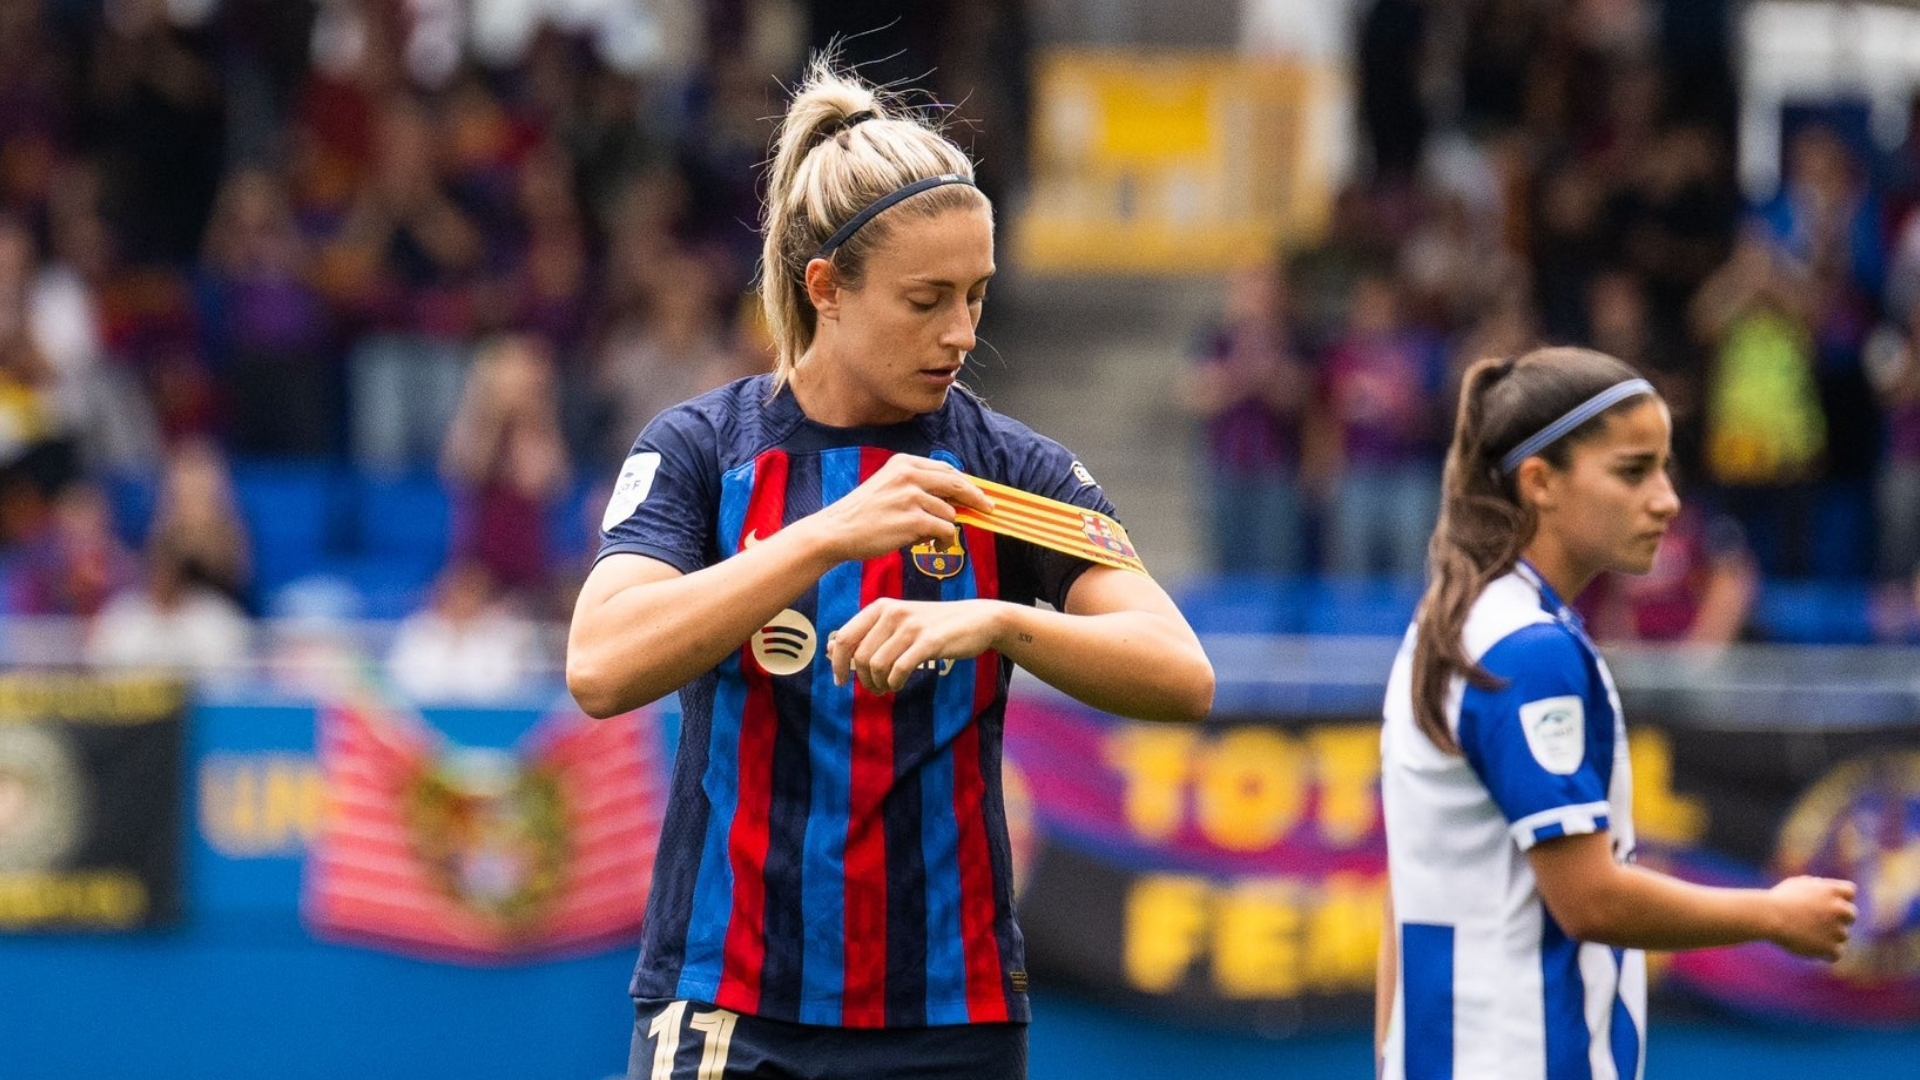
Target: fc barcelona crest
<point>1108,534</point>
<point>937,561</point>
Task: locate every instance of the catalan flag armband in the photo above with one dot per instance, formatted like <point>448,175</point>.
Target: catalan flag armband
<point>1050,523</point>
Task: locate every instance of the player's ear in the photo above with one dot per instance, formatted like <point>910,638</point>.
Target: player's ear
<point>823,288</point>
<point>1538,484</point>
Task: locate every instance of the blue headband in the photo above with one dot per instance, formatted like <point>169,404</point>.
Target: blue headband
<point>1580,414</point>
<point>854,224</point>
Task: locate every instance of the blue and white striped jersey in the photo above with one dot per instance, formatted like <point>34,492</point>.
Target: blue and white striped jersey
<point>1490,986</point>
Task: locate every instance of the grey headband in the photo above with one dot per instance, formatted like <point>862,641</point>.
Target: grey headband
<point>1579,414</point>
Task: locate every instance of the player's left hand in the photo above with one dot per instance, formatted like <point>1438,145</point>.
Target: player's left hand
<point>889,639</point>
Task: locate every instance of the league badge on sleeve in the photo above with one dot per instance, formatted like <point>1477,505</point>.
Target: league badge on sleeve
<point>636,480</point>
<point>1556,731</point>
<point>937,560</point>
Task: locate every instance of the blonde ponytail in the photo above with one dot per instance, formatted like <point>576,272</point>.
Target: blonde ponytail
<point>841,146</point>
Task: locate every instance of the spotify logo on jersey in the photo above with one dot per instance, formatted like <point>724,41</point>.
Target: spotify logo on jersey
<point>785,646</point>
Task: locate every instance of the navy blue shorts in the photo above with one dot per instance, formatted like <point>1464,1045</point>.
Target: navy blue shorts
<point>691,1040</point>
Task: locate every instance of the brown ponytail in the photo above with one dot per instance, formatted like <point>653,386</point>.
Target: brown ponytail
<point>1483,524</point>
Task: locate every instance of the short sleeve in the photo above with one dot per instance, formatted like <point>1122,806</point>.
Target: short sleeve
<point>1536,743</point>
<point>1049,469</point>
<point>666,500</point>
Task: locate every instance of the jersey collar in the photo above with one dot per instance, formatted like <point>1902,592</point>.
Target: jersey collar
<point>1549,600</point>
<point>914,436</point>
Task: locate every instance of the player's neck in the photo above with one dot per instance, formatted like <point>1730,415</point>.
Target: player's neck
<point>829,394</point>
<point>1558,567</point>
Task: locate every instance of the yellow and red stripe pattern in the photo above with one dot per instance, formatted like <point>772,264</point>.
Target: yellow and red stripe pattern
<point>1052,524</point>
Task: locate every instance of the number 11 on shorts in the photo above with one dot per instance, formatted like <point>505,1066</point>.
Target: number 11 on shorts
<point>716,1026</point>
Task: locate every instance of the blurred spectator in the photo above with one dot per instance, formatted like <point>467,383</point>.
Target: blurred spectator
<point>197,525</point>
<point>1900,169</point>
<point>1894,364</point>
<point>1671,223</point>
<point>1894,610</point>
<point>1321,277</point>
<point>1903,266</point>
<point>35,107</point>
<point>1249,388</point>
<point>153,324</point>
<point>172,622</point>
<point>1507,327</point>
<point>1620,324</point>
<point>506,461</point>
<point>157,114</point>
<point>270,328</point>
<point>1452,265</point>
<point>465,646</point>
<point>661,350</point>
<point>75,561</point>
<point>547,269</point>
<point>1566,245</point>
<point>1503,40</point>
<point>1827,218</point>
<point>607,135</point>
<point>1374,437</point>
<point>33,431</point>
<point>728,142</point>
<point>1393,59</point>
<point>1825,215</point>
<point>311,642</point>
<point>407,253</point>
<point>1700,591</point>
<point>1765,432</point>
<point>99,396</point>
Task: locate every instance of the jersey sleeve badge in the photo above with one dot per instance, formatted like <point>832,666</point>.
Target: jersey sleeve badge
<point>636,480</point>
<point>1556,731</point>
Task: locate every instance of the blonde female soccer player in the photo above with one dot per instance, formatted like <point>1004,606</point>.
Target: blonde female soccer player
<point>833,892</point>
<point>1516,914</point>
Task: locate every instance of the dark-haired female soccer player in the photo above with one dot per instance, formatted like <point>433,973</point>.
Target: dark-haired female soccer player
<point>1516,912</point>
<point>833,892</point>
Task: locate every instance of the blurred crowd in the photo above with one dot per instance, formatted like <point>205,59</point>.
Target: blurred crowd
<point>334,232</point>
<point>1565,173</point>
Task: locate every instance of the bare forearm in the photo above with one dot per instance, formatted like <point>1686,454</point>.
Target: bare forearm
<point>1131,663</point>
<point>1642,909</point>
<point>646,641</point>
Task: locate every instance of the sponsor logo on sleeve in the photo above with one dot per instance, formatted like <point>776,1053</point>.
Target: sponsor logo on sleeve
<point>1556,730</point>
<point>636,480</point>
<point>1081,474</point>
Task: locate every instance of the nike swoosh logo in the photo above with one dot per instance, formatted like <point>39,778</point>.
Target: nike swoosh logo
<point>751,539</point>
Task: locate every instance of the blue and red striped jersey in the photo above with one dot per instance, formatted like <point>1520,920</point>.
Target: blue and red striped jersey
<point>832,856</point>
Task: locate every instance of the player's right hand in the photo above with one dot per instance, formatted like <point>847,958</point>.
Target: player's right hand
<point>908,501</point>
<point>1814,915</point>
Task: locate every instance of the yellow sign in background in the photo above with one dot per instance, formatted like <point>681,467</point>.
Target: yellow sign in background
<point>1170,162</point>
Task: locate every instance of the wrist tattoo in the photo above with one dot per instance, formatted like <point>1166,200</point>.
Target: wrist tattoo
<point>1026,637</point>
